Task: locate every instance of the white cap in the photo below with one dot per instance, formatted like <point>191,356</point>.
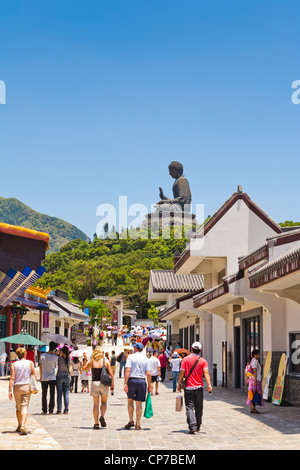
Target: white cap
<point>197,345</point>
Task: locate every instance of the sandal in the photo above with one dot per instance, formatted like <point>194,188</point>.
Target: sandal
<point>138,428</point>
<point>96,426</point>
<point>129,425</point>
<point>103,422</point>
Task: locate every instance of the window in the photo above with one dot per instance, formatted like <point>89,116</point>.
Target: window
<point>181,336</point>
<point>192,334</point>
<point>30,327</point>
<point>57,327</point>
<point>252,335</point>
<point>3,323</point>
<point>294,353</point>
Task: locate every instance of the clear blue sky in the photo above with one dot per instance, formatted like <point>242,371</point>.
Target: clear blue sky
<point>103,95</point>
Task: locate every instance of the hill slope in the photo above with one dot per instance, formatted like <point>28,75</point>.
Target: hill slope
<point>13,211</point>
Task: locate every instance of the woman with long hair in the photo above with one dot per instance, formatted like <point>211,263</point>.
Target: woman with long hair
<point>98,389</point>
<point>63,380</point>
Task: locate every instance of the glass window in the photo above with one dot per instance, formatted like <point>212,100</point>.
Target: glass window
<point>252,336</point>
<point>3,323</point>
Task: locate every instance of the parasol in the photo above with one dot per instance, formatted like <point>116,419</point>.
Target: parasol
<point>182,350</point>
<point>23,338</point>
<point>59,339</point>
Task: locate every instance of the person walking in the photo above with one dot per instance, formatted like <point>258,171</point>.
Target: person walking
<point>19,387</point>
<point>12,357</point>
<point>175,362</point>
<point>3,363</point>
<point>136,372</point>
<point>85,387</point>
<point>122,361</point>
<point>254,382</point>
<point>98,389</point>
<point>94,343</point>
<point>30,354</point>
<point>169,350</point>
<point>74,374</point>
<point>48,365</point>
<point>163,364</point>
<point>113,361</point>
<point>193,367</point>
<point>155,370</point>
<point>63,380</point>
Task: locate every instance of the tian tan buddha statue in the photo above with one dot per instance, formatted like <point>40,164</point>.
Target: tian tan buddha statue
<point>181,192</point>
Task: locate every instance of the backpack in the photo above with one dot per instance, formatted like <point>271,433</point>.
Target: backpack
<point>119,357</point>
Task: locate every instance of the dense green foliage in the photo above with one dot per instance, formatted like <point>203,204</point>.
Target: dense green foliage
<point>15,212</point>
<point>289,223</point>
<point>106,267</point>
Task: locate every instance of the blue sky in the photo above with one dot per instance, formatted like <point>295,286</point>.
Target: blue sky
<point>103,95</point>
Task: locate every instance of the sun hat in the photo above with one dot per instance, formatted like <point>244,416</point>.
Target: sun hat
<point>175,354</point>
<point>197,345</point>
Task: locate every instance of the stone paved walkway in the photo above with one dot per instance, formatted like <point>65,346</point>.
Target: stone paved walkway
<point>227,424</point>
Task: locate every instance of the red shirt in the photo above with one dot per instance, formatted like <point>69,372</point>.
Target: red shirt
<point>196,378</point>
<point>30,355</point>
<point>163,360</point>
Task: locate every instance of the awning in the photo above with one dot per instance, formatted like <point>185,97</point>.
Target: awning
<point>31,304</point>
<point>25,232</point>
<point>14,283</point>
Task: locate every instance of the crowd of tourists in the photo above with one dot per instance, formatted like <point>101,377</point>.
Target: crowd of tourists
<point>142,365</point>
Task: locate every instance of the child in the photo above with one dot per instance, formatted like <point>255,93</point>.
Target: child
<point>84,377</point>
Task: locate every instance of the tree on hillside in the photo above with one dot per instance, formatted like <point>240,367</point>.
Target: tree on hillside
<point>97,310</point>
<point>153,313</point>
<point>85,280</point>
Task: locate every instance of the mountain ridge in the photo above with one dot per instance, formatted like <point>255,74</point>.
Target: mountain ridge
<point>15,212</point>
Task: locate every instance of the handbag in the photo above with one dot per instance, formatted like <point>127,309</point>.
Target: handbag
<point>179,403</point>
<point>185,379</point>
<point>148,413</point>
<point>34,385</point>
<point>105,378</point>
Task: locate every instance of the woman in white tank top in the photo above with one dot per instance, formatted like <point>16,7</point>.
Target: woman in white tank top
<point>19,387</point>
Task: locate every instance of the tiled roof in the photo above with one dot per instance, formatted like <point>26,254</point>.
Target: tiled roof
<point>166,281</point>
<point>284,264</point>
<point>68,307</point>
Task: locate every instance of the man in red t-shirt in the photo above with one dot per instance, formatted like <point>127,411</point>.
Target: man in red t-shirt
<point>193,393</point>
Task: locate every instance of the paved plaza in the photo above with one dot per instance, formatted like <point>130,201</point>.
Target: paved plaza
<point>227,424</point>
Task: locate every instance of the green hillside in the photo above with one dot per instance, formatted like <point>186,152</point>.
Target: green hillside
<point>108,267</point>
<point>15,212</point>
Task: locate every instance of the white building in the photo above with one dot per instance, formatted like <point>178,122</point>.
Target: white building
<point>251,295</point>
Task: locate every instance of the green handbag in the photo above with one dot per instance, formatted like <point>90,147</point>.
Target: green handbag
<point>148,408</point>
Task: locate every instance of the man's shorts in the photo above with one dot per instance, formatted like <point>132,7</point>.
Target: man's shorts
<point>137,389</point>
<point>154,378</point>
